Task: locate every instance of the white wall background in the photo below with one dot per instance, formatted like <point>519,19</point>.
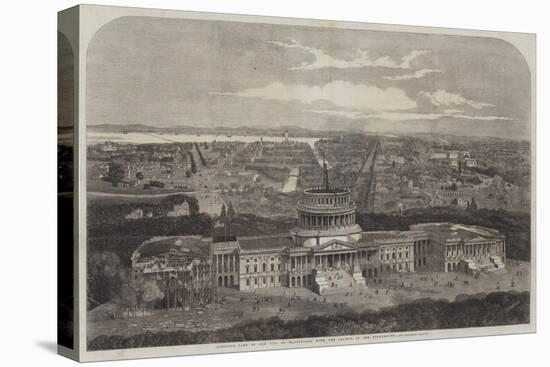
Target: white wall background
<point>28,182</point>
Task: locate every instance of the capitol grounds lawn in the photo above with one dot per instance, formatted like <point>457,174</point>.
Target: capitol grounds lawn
<point>300,303</point>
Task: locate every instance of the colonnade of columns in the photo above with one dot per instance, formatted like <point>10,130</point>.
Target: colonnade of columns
<point>226,263</point>
<point>327,200</point>
<point>300,263</point>
<point>421,247</point>
<point>323,221</point>
<point>335,261</point>
<point>365,256</point>
<point>476,249</point>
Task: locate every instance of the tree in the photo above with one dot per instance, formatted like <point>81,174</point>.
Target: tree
<point>230,211</point>
<point>149,292</point>
<point>139,176</point>
<point>193,164</point>
<point>223,213</point>
<point>127,298</point>
<point>103,278</point>
<point>473,204</point>
<point>116,173</point>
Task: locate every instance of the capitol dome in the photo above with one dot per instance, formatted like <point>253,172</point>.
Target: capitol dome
<point>325,214</point>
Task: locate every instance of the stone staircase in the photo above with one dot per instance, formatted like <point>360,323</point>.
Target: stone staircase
<point>497,261</point>
<point>336,281</point>
<point>471,266</point>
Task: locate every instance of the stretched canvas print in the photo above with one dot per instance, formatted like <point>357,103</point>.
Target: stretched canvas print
<point>237,183</point>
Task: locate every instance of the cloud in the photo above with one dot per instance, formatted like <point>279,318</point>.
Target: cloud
<point>453,111</point>
<point>443,98</point>
<point>407,115</point>
<point>414,75</point>
<point>339,93</point>
<point>324,60</point>
<point>354,115</point>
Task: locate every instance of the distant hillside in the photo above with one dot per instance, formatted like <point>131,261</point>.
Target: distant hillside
<point>241,130</point>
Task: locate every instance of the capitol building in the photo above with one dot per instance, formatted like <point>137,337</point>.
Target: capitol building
<point>325,252</point>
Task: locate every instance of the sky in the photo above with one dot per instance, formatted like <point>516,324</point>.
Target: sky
<point>169,72</point>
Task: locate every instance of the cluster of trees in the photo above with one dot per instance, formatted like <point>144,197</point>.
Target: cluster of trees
<point>224,230</point>
<point>115,174</point>
<point>500,308</point>
<point>112,239</point>
<point>104,214</point>
<point>200,224</point>
<point>252,225</point>
<point>124,297</point>
<point>518,175</point>
<point>104,277</point>
<point>273,172</point>
<point>227,214</point>
<point>150,227</point>
<point>471,205</point>
<point>169,202</point>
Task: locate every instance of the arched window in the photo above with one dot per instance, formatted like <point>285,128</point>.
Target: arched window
<point>247,269</point>
<point>264,267</point>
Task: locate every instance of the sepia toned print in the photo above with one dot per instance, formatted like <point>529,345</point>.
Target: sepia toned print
<point>254,181</point>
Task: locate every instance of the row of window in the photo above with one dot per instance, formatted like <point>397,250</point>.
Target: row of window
<point>262,280</point>
<point>272,259</point>
<point>395,255</point>
<point>264,268</point>
<point>397,267</point>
